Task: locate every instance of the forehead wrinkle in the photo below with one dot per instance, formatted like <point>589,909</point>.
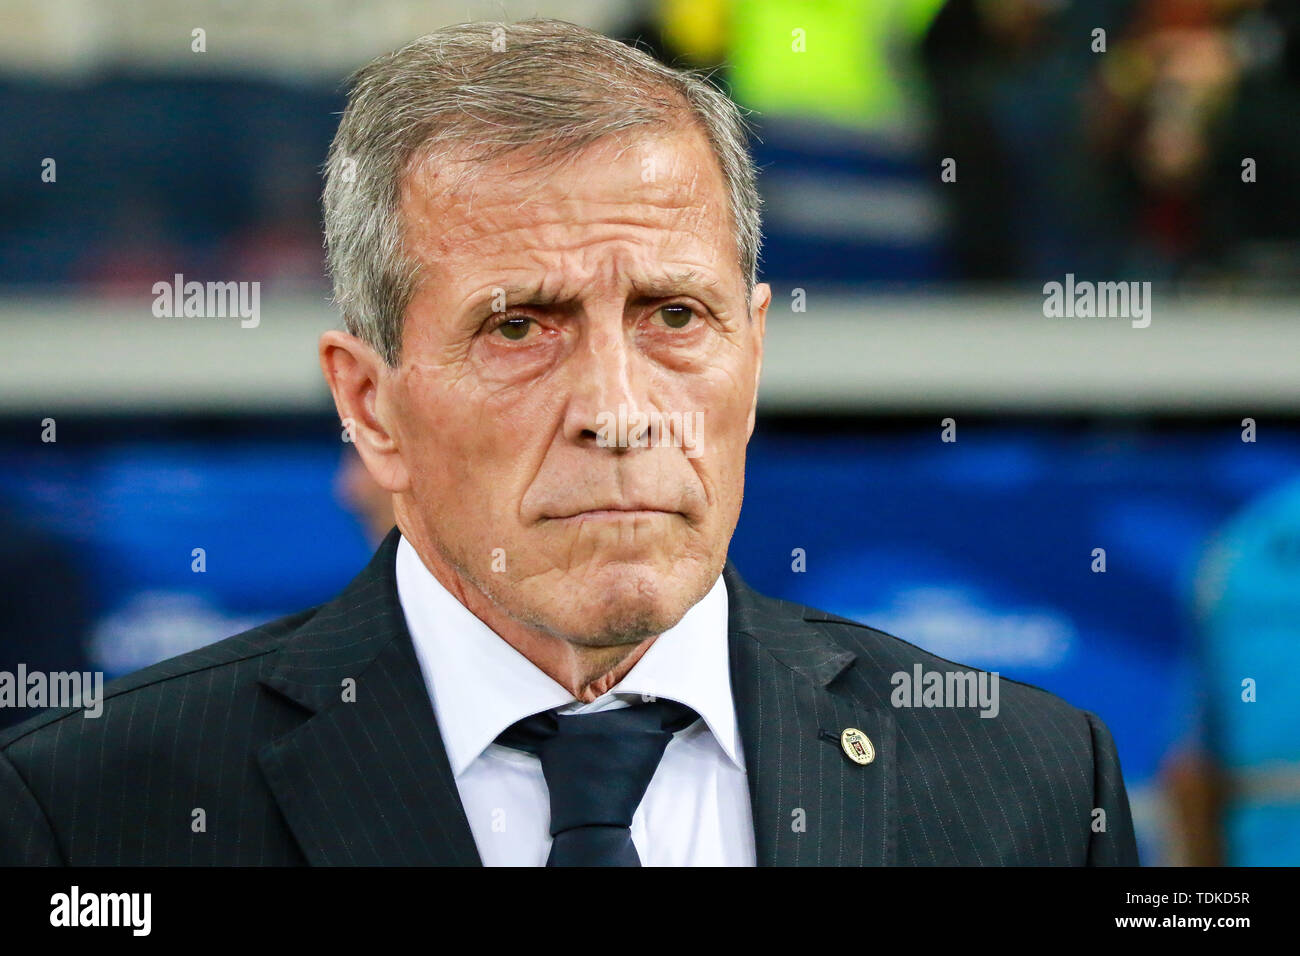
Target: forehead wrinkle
<point>580,254</point>
<point>470,202</point>
<point>548,219</point>
<point>526,246</point>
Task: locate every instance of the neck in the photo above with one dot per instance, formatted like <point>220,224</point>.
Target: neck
<point>586,672</point>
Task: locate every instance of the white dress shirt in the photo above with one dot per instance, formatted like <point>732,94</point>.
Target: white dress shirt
<point>696,811</point>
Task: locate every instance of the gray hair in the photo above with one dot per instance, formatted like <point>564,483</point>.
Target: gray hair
<point>478,92</point>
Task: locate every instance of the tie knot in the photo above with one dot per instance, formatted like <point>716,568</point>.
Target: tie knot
<point>653,717</point>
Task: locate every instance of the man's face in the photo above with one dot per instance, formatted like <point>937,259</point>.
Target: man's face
<point>549,301</point>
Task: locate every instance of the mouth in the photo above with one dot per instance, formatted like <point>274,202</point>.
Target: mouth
<point>614,514</point>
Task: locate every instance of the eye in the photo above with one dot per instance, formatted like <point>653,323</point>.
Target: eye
<point>515,328</point>
<point>676,316</point>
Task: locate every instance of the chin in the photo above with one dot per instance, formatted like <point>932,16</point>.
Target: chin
<point>624,603</point>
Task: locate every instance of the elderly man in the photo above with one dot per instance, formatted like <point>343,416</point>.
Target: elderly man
<point>544,244</point>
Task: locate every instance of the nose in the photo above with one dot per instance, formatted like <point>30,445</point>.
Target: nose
<point>605,386</point>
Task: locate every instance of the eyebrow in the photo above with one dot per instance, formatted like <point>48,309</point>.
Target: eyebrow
<point>674,283</point>
<point>645,288</point>
<point>531,293</point>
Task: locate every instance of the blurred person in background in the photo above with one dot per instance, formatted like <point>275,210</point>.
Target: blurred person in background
<point>1234,782</point>
<point>1006,79</point>
<point>1086,153</point>
<point>1184,120</point>
<point>841,120</point>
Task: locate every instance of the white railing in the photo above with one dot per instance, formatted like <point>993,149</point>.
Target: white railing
<point>945,354</point>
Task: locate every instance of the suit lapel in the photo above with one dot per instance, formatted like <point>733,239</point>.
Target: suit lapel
<point>792,687</point>
<point>366,780</point>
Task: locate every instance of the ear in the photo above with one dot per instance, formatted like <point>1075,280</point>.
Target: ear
<point>362,385</point>
<point>758,304</point>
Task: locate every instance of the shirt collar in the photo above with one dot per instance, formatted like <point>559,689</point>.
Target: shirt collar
<point>480,685</point>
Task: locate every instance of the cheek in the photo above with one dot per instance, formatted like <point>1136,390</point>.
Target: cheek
<point>439,433</point>
<point>470,443</point>
<point>723,392</point>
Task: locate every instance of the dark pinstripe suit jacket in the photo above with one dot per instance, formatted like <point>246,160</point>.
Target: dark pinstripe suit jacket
<point>255,733</point>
